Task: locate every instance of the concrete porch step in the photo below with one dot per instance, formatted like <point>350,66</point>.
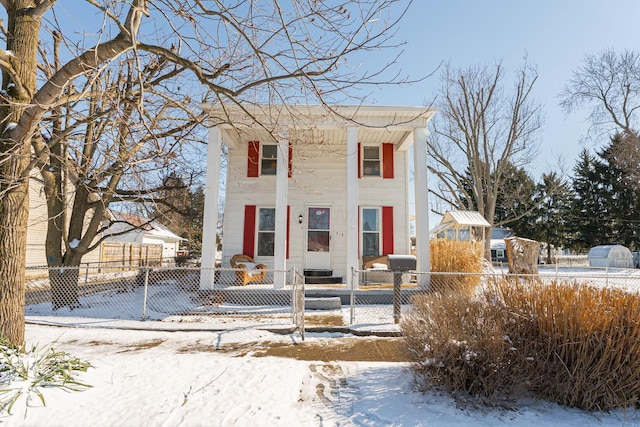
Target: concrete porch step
<point>322,280</point>
<point>322,303</point>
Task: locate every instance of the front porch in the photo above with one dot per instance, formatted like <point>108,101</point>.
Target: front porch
<point>317,190</point>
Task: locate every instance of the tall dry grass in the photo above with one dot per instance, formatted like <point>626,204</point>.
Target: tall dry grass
<point>570,343</point>
<point>460,263</point>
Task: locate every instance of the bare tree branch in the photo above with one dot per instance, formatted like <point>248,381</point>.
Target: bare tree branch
<point>480,132</point>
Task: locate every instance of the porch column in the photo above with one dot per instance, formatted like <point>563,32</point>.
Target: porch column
<point>422,202</point>
<point>352,204</point>
<point>210,220</point>
<point>282,188</point>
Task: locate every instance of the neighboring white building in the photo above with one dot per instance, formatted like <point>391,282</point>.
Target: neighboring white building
<point>37,226</point>
<point>329,189</point>
<point>137,244</point>
<point>147,233</point>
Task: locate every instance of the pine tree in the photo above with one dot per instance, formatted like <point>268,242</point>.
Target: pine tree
<point>551,225</point>
<point>590,218</point>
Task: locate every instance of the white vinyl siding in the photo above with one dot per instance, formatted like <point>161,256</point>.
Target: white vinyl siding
<point>319,176</point>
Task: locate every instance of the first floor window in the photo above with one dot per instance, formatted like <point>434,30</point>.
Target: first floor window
<point>266,231</point>
<point>370,231</point>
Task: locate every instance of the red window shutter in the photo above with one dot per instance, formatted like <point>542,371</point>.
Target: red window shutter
<point>387,230</point>
<point>387,160</point>
<point>290,161</point>
<point>359,160</point>
<point>288,227</point>
<point>253,160</point>
<point>249,237</point>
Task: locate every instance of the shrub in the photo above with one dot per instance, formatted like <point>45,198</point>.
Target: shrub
<point>570,343</point>
<point>459,261</point>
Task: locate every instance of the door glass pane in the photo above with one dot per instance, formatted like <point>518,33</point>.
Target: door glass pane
<point>318,241</point>
<point>318,219</point>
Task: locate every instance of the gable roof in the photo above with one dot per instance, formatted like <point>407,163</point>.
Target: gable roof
<point>149,227</point>
<point>470,218</point>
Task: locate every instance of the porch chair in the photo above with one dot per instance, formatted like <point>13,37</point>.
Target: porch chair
<point>247,270</point>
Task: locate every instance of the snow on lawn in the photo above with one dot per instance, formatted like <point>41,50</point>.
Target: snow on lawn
<point>190,378</point>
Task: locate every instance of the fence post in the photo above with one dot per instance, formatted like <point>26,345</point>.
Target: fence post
<point>294,295</point>
<point>352,309</point>
<point>86,279</point>
<point>144,298</point>
<point>397,296</point>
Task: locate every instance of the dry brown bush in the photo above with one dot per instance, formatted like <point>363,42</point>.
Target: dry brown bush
<point>459,261</point>
<point>570,343</point>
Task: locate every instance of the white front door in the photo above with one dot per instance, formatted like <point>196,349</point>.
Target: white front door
<point>318,245</point>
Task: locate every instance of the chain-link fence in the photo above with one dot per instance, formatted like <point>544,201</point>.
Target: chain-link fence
<point>373,300</point>
<point>189,294</point>
<point>164,294</point>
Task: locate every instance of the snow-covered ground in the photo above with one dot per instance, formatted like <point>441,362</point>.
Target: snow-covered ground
<point>194,378</point>
<point>190,371</point>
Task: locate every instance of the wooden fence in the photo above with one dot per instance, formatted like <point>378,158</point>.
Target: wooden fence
<point>131,254</point>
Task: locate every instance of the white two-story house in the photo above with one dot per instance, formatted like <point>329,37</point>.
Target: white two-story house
<point>317,189</point>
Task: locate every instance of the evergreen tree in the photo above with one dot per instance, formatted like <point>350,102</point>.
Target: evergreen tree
<point>181,208</point>
<point>516,205</point>
<point>590,218</point>
<point>620,194</point>
<point>551,225</point>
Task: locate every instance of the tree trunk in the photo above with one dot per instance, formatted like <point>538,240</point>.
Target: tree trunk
<point>522,255</point>
<point>14,211</point>
<point>22,40</point>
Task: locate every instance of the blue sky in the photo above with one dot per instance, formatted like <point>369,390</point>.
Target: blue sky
<point>554,34</point>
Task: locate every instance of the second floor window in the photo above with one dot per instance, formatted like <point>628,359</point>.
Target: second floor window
<point>269,159</point>
<point>371,161</point>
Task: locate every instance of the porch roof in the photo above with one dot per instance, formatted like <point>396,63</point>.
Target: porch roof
<point>316,124</point>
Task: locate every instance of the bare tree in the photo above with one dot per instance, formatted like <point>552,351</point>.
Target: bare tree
<point>100,150</point>
<point>482,130</point>
<point>608,86</point>
<point>238,51</point>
